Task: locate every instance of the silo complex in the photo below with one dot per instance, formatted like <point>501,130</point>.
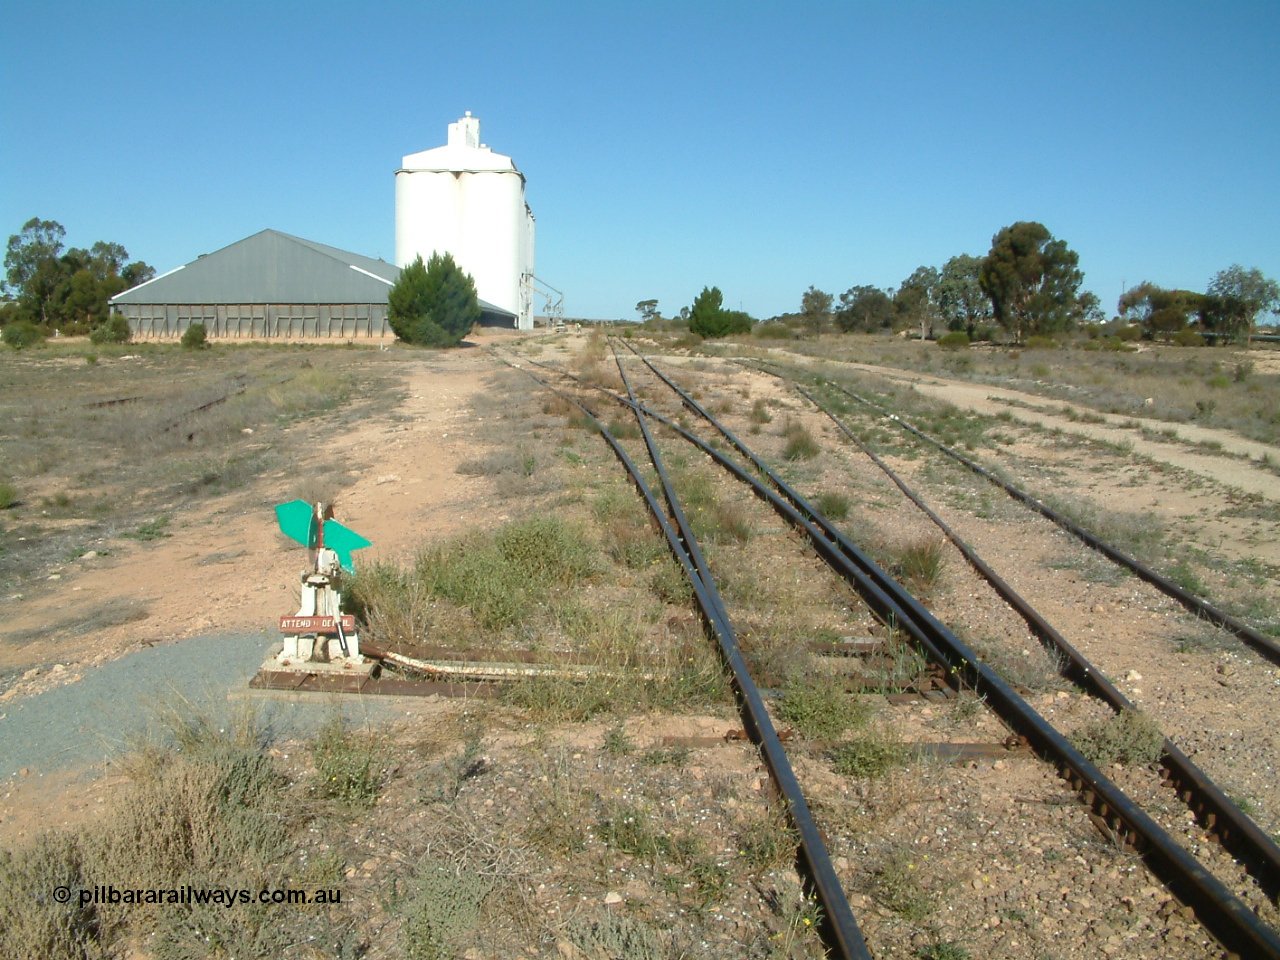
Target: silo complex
<point>466,200</point>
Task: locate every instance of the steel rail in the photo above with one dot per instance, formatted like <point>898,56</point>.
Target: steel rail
<point>1214,810</point>
<point>838,925</point>
<point>1221,912</point>
<point>687,537</point>
<point>1265,645</point>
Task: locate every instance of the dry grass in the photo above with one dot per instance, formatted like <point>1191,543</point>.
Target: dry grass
<point>212,815</point>
<point>1216,387</point>
<point>91,451</point>
<point>921,563</point>
<point>800,443</point>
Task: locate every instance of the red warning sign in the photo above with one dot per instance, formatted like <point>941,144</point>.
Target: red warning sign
<point>316,624</point>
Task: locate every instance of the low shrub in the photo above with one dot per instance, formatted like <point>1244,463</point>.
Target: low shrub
<point>1041,343</point>
<point>393,606</point>
<point>731,524</point>
<point>1189,338</point>
<point>898,886</point>
<point>922,562</point>
<point>868,757</point>
<point>624,429</point>
<point>513,460</point>
<point>1118,345</point>
<point>443,908</point>
<point>500,576</point>
<point>115,330</point>
<point>22,334</point>
<point>670,584</point>
<point>833,506</point>
<point>955,340</point>
<point>770,842</point>
<point>32,925</point>
<point>773,331</point>
<point>1129,737</point>
<point>349,767</point>
<point>615,935</point>
<point>690,341</point>
<point>195,337</point>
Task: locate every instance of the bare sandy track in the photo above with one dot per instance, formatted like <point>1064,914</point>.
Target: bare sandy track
<point>987,400</point>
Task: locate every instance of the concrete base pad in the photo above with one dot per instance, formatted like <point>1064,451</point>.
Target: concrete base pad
<point>347,667</point>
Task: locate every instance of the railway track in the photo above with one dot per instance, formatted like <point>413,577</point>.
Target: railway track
<point>1264,645</point>
<point>838,927</point>
<point>1211,806</point>
<point>1224,915</point>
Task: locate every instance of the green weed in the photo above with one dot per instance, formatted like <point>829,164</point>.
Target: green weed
<point>151,530</point>
<point>617,743</point>
<point>445,779</point>
<point>676,756</point>
<point>613,934</point>
<point>820,708</point>
<point>868,757</point>
<point>1130,737</point>
<point>349,766</point>
<point>898,886</point>
<point>1184,576</point>
<point>922,563</point>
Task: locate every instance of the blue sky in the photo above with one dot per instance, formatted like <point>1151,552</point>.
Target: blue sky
<point>759,147</point>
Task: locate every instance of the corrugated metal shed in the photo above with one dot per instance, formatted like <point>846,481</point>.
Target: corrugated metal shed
<point>273,285</point>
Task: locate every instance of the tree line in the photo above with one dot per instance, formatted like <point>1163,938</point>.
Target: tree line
<point>1230,306</point>
<point>49,288</point>
<point>1027,285</point>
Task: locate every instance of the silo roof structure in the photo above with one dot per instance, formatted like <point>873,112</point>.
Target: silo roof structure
<point>466,200</point>
<point>463,153</point>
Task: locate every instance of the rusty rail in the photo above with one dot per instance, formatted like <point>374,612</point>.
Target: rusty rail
<point>1222,913</point>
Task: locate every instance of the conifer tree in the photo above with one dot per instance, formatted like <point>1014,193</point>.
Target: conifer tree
<point>433,304</point>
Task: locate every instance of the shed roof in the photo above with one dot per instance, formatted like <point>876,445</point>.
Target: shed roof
<point>275,267</point>
<point>271,267</point>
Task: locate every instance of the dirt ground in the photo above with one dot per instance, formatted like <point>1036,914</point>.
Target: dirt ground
<point>227,568</point>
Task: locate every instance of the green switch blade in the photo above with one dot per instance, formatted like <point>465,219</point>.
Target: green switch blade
<point>297,522</point>
<point>342,541</point>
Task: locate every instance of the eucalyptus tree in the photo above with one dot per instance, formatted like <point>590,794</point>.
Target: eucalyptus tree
<point>1032,280</point>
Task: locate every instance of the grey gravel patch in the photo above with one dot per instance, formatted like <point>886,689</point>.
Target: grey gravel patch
<point>121,702</point>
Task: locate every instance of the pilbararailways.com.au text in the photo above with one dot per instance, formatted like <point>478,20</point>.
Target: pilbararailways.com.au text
<point>226,896</point>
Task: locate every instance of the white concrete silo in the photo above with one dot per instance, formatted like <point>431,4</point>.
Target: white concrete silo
<point>466,200</point>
